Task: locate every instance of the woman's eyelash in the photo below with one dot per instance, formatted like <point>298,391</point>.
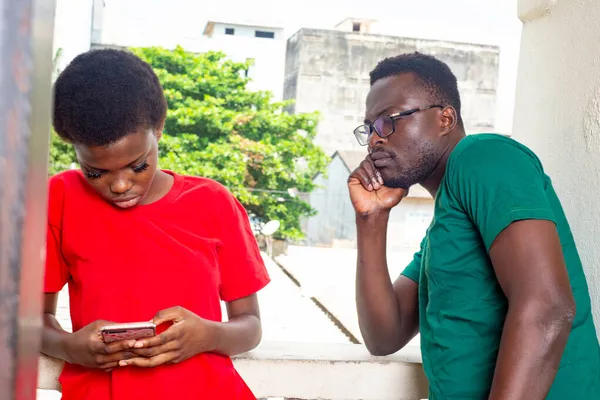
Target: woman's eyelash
<point>93,175</point>
<point>141,168</point>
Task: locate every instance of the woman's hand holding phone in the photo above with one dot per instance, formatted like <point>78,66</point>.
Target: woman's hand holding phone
<point>368,192</point>
<point>87,348</point>
<point>188,336</point>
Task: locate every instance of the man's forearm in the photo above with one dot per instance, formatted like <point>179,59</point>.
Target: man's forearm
<point>533,341</point>
<point>376,302</point>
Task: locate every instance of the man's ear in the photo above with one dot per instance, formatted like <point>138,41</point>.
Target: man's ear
<point>449,120</point>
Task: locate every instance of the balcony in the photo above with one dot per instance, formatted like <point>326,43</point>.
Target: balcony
<point>314,371</point>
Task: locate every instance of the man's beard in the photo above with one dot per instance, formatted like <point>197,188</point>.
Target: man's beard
<point>406,177</point>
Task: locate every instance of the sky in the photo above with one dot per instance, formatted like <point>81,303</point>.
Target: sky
<point>147,22</point>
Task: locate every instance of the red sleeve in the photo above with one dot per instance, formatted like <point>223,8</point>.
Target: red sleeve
<point>57,272</point>
<point>241,266</point>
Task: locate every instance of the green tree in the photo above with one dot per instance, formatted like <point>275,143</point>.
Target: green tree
<point>219,129</point>
<point>62,155</point>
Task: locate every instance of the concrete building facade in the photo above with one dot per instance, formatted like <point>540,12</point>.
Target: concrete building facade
<point>328,71</point>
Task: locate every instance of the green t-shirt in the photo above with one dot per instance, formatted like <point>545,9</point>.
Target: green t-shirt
<point>490,182</point>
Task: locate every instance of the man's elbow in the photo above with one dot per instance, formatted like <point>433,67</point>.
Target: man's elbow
<point>565,315</point>
<point>562,312</point>
<point>380,351</point>
<point>382,348</point>
<point>555,318</point>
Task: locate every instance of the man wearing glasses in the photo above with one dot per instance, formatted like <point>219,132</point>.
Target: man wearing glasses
<point>497,290</point>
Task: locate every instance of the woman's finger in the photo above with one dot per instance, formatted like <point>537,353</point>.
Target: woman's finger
<point>144,362</point>
<point>156,350</point>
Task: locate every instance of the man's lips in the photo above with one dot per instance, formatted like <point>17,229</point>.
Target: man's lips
<point>383,162</point>
<point>382,159</point>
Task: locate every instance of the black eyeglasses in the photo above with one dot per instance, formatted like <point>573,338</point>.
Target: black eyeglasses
<point>385,125</point>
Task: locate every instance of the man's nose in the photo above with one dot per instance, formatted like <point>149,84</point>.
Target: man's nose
<point>375,140</point>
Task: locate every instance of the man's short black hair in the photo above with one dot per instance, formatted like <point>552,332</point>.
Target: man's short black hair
<point>434,75</point>
<point>104,95</point>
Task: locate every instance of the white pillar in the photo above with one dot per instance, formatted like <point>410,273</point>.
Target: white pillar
<point>557,113</point>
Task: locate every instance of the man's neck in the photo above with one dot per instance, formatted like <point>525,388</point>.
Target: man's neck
<point>433,181</point>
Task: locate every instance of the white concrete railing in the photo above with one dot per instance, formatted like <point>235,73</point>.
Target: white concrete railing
<point>314,371</point>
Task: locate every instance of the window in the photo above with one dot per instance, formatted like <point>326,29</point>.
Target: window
<point>229,31</point>
<point>264,34</point>
<point>356,27</point>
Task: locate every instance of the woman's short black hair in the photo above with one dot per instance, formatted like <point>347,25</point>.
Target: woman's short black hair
<point>104,95</point>
<point>434,75</point>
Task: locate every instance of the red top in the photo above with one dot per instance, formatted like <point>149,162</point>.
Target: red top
<point>192,248</point>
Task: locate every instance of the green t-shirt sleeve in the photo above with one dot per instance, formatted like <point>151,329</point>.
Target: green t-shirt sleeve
<point>498,182</point>
<point>413,269</point>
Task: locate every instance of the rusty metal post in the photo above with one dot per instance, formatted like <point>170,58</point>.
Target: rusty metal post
<point>26,31</point>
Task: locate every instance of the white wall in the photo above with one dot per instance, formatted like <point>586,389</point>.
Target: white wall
<point>557,113</point>
<point>268,54</point>
<point>72,28</point>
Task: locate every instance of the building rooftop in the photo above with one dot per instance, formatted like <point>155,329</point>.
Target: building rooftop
<point>210,26</point>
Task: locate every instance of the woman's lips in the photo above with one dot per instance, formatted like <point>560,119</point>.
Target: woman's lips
<point>128,203</point>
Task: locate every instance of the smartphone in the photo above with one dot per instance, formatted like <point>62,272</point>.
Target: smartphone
<point>135,330</point>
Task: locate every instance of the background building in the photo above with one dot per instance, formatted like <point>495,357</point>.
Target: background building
<point>328,71</point>
<point>263,45</point>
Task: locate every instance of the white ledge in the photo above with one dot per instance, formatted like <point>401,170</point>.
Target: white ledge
<point>314,371</point>
<point>530,10</point>
<point>330,352</point>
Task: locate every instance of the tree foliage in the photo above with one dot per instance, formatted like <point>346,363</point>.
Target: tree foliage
<point>219,129</point>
